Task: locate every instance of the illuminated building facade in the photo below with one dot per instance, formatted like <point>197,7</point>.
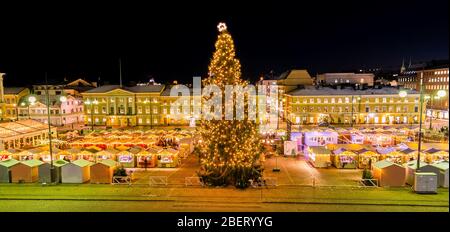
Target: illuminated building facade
<point>314,105</point>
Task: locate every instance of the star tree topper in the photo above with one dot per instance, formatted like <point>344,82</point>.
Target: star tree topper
<point>222,27</point>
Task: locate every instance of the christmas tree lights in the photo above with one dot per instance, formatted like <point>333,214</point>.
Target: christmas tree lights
<point>230,149</point>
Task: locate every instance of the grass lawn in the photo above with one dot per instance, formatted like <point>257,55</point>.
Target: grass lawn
<point>91,197</point>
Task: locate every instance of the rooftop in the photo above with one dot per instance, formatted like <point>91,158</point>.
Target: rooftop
<point>9,129</point>
<point>13,90</point>
<point>133,89</point>
<point>313,91</point>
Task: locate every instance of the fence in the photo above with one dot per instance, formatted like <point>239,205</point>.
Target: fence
<point>124,180</point>
<point>369,182</point>
<point>193,181</point>
<point>157,180</point>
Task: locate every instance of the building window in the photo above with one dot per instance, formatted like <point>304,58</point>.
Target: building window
<point>367,109</point>
<point>333,100</point>
<point>347,100</point>
<point>416,109</point>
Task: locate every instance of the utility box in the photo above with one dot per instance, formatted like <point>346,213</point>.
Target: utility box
<point>425,182</point>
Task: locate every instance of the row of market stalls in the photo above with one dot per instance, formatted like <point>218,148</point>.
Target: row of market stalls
<point>78,171</point>
<point>364,156</point>
<point>394,175</point>
<point>383,137</point>
<point>128,157</point>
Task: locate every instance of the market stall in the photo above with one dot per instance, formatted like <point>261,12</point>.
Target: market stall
<point>390,154</point>
<point>5,170</point>
<point>126,159</point>
<point>379,139</point>
<point>410,155</point>
<point>148,157</point>
<point>76,172</point>
<point>44,171</point>
<point>5,155</point>
<point>411,168</point>
<point>86,155</point>
<point>25,171</point>
<point>318,156</point>
<point>103,171</point>
<point>104,155</point>
<point>366,158</point>
<point>168,158</point>
<point>45,154</point>
<point>436,155</point>
<point>65,155</point>
<point>316,138</point>
<point>27,155</point>
<point>342,158</point>
<point>441,169</point>
<point>389,174</point>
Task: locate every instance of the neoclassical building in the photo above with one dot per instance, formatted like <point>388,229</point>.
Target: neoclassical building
<point>311,105</point>
<point>149,105</point>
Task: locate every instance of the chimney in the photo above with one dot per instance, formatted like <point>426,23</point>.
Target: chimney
<point>2,97</point>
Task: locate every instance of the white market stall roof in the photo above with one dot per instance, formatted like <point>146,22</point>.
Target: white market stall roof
<point>10,129</point>
<point>384,163</point>
<point>441,165</point>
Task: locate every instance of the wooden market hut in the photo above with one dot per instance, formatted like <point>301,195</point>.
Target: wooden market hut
<point>411,168</point>
<point>103,171</point>
<point>135,149</point>
<point>76,172</point>
<point>168,158</point>
<point>342,158</point>
<point>366,158</point>
<point>126,159</point>
<point>27,155</point>
<point>389,173</point>
<point>441,169</point>
<point>104,155</point>
<point>69,154</point>
<point>150,155</point>
<point>44,171</point>
<point>319,156</point>
<point>410,155</point>
<point>44,155</point>
<point>5,155</point>
<point>5,170</point>
<point>25,171</point>
<point>86,155</point>
<point>391,154</point>
<point>435,155</point>
<point>64,155</point>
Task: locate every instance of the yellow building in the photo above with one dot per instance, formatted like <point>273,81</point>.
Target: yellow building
<point>151,105</point>
<point>10,99</point>
<point>113,105</point>
<point>311,105</point>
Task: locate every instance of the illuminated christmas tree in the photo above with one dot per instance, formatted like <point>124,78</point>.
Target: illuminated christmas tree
<point>230,149</point>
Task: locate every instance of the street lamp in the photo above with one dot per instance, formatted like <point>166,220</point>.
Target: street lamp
<point>31,100</point>
<point>94,102</point>
<point>441,93</point>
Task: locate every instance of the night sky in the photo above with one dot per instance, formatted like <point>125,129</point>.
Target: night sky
<point>176,41</point>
